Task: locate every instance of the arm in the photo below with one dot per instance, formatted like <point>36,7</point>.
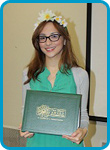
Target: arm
<point>83,89</point>
<point>82,83</point>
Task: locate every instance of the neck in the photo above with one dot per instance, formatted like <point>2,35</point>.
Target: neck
<point>52,64</point>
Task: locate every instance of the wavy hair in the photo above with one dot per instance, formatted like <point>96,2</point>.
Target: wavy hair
<point>37,64</point>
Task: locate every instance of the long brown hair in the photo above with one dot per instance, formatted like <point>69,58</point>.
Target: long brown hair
<point>37,64</point>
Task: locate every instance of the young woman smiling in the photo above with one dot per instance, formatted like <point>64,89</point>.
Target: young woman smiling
<point>54,68</point>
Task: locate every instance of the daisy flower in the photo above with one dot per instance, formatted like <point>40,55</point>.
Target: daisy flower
<point>47,15</point>
<point>64,23</point>
<point>58,19</point>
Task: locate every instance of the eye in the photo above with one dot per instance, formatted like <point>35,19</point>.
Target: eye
<point>54,36</point>
<point>42,37</point>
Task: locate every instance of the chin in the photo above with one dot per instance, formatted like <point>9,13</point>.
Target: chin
<point>51,56</point>
<point>54,55</point>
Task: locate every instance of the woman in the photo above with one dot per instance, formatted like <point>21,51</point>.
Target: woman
<point>54,68</point>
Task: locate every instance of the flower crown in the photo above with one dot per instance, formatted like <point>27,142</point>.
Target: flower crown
<point>49,15</point>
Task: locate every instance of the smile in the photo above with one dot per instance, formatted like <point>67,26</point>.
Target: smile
<point>50,49</point>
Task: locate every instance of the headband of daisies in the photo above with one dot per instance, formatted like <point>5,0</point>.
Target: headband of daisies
<point>49,15</point>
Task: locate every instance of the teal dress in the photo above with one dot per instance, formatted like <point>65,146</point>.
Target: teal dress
<point>64,83</point>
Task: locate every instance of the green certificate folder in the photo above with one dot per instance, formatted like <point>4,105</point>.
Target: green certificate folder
<point>51,113</point>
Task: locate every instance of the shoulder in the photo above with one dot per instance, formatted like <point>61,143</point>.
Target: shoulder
<point>79,74</point>
<point>24,74</point>
<point>25,71</point>
<point>79,71</point>
<point>25,78</point>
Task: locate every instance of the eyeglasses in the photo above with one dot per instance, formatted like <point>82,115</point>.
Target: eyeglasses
<point>53,38</point>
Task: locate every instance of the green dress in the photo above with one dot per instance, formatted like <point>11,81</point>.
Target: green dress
<point>64,83</point>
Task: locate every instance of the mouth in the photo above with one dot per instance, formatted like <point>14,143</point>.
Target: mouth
<point>50,49</point>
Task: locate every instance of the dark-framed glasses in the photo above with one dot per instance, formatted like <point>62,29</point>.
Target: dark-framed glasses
<point>53,38</point>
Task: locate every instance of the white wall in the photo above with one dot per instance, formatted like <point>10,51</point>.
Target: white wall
<point>98,88</point>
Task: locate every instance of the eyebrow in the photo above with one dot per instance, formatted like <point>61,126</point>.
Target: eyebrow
<point>42,34</point>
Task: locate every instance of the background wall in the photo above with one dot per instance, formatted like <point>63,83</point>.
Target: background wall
<point>18,25</point>
<point>98,90</point>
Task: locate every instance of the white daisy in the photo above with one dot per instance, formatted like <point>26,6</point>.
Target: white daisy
<point>47,15</point>
<point>58,19</point>
<point>64,23</point>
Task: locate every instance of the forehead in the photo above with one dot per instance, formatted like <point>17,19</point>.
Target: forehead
<point>48,29</point>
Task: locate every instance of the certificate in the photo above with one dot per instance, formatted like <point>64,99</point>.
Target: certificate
<point>51,113</point>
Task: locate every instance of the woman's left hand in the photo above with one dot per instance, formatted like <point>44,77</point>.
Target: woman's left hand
<point>76,136</point>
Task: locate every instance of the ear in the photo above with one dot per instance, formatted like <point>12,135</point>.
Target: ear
<point>64,42</point>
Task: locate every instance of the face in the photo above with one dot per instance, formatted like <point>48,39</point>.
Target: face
<point>49,48</point>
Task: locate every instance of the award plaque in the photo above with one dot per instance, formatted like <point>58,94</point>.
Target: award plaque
<point>51,113</point>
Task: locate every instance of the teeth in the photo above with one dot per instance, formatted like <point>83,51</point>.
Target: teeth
<point>49,49</point>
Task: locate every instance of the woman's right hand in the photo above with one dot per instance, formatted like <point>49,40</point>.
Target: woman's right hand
<point>25,134</point>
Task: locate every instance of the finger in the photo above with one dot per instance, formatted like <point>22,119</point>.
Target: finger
<point>78,137</point>
<point>29,135</point>
<point>22,134</point>
<point>73,139</point>
<point>65,136</point>
<point>82,136</point>
<point>75,133</point>
<point>68,138</point>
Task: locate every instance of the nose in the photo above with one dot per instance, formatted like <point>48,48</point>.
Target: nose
<point>48,42</point>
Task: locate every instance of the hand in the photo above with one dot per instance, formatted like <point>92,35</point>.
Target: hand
<point>76,136</point>
<point>25,134</point>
